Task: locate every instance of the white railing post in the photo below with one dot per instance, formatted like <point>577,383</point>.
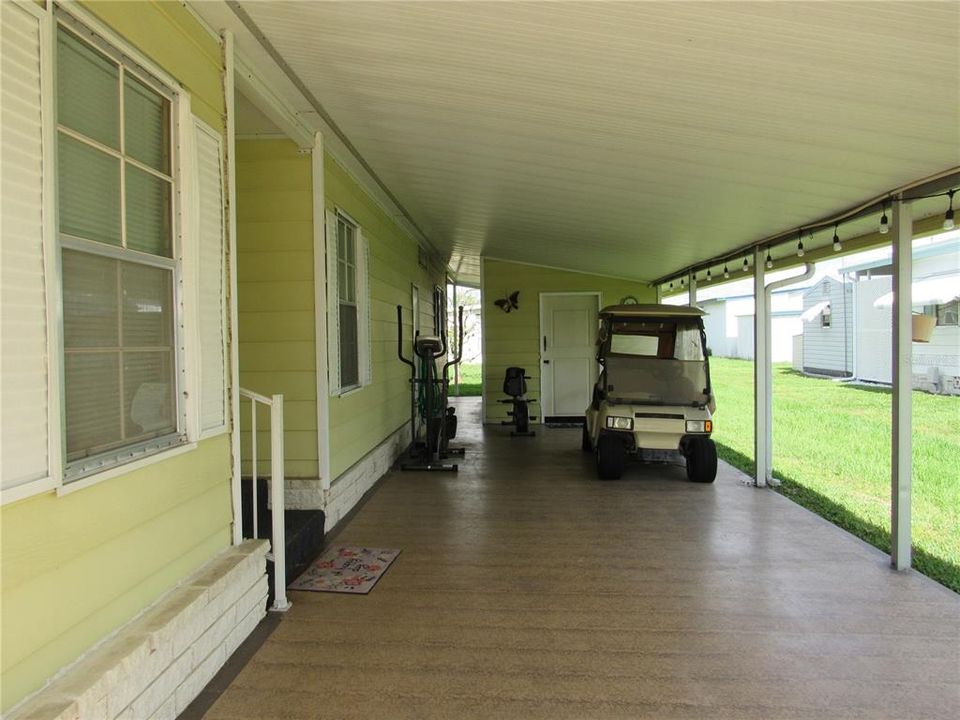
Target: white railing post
<point>280,603</point>
<point>253,460</point>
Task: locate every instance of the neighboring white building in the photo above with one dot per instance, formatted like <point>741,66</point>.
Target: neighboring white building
<point>847,323</point>
<point>827,328</point>
<point>729,324</point>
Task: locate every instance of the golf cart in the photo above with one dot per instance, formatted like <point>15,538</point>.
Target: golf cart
<point>653,393</point>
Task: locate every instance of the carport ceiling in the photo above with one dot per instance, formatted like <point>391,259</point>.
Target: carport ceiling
<point>628,139</point>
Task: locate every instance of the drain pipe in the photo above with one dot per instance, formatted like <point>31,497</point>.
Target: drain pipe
<point>768,366</point>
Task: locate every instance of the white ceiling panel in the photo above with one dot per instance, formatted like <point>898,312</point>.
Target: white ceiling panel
<point>630,139</point>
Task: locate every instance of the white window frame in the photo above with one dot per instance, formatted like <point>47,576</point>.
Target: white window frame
<point>83,468</point>
<point>363,301</point>
<point>184,246</point>
<point>354,268</point>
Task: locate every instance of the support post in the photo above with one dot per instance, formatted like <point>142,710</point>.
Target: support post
<point>320,309</point>
<point>236,492</point>
<point>692,288</point>
<point>901,465</point>
<point>277,506</point>
<point>761,372</point>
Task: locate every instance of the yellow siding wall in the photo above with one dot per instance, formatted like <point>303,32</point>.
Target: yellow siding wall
<point>77,567</point>
<point>276,297</point>
<point>513,339</point>
<point>360,420</point>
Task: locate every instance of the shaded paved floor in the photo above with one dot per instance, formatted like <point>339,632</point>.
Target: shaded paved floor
<point>528,589</point>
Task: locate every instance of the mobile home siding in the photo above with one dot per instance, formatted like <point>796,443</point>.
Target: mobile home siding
<point>79,566</point>
<point>362,419</point>
<point>829,350</point>
<point>276,298</point>
<point>513,340</point>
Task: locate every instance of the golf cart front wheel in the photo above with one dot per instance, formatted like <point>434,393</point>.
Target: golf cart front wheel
<point>611,457</point>
<point>701,460</point>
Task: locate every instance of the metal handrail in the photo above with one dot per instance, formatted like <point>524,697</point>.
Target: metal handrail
<point>277,482</point>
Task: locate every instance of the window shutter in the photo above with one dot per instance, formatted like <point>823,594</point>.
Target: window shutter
<point>211,304</point>
<point>364,302</point>
<point>333,307</point>
<point>23,308</point>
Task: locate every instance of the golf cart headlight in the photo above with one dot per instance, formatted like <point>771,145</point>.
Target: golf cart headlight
<point>699,426</point>
<point>620,423</point>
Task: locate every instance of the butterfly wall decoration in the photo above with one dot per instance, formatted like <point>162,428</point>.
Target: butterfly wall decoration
<point>509,303</point>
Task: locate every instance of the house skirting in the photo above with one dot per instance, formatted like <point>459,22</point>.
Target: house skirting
<point>155,665</point>
<point>348,489</point>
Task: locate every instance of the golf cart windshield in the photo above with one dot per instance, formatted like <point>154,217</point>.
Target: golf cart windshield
<point>656,361</point>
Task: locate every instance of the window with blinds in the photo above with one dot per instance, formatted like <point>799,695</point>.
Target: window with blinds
<point>115,190</point>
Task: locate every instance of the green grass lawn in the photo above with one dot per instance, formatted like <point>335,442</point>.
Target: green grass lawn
<point>470,380</point>
<point>832,453</point>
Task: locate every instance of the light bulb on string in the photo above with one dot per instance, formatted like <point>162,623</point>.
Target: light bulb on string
<point>799,244</point>
<point>769,260</point>
<point>948,223</point>
<point>726,273</point>
<point>884,222</point>
<point>708,274</point>
<point>837,247</point>
<point>746,265</point>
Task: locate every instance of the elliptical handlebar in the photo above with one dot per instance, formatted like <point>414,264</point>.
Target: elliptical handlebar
<point>400,339</point>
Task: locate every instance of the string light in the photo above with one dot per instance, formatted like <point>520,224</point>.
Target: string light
<point>769,259</point>
<point>708,274</point>
<point>681,282</point>
<point>948,223</point>
<point>726,273</point>
<point>746,265</point>
<point>884,222</point>
<point>837,247</point>
<point>799,243</point>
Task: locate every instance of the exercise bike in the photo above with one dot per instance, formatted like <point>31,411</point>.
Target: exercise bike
<point>515,385</point>
<point>429,401</point>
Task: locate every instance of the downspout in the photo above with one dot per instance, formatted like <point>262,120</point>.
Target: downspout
<point>768,369</point>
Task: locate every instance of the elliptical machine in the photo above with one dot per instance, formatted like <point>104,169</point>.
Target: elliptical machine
<point>430,389</point>
<point>515,385</point>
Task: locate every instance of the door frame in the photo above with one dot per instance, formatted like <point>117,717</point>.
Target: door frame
<point>540,326</point>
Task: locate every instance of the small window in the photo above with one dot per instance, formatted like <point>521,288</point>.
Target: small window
<point>347,301</point>
<point>115,212</point>
<point>947,314</point>
<point>825,317</point>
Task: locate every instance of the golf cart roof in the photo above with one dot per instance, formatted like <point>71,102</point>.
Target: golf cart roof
<point>652,311</point>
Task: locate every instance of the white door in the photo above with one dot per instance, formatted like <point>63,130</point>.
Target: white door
<point>568,353</point>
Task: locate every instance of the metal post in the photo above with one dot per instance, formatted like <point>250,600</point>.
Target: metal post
<point>278,505</point>
<point>692,288</point>
<point>456,368</point>
<point>808,272</point>
<point>761,371</point>
<point>236,490</point>
<point>901,467</point>
<point>253,464</point>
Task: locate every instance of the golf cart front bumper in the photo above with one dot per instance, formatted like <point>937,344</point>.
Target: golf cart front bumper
<point>655,427</point>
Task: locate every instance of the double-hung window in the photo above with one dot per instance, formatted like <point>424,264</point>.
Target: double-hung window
<point>348,305</point>
<point>119,268</point>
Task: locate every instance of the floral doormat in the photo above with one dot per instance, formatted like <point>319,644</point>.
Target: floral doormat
<point>346,569</point>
